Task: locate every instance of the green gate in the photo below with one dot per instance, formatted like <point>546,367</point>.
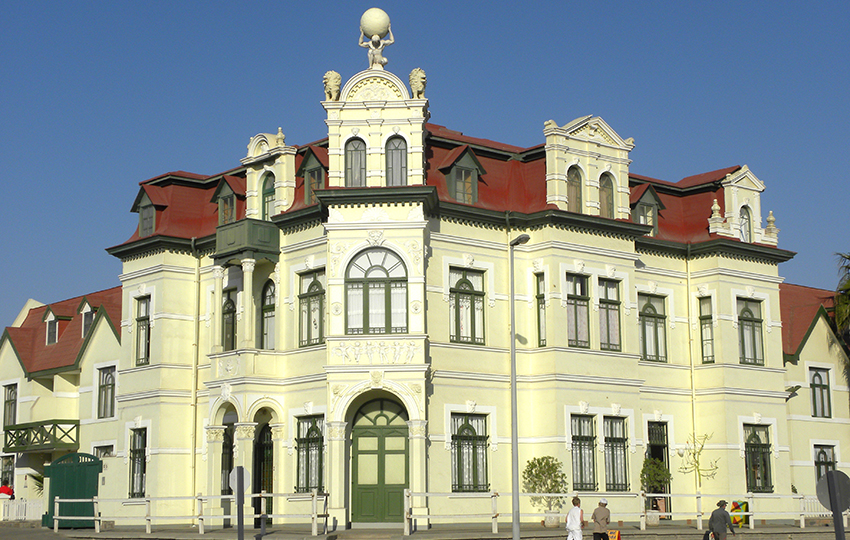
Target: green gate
<point>72,476</point>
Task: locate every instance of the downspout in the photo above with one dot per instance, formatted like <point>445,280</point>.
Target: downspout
<point>697,482</point>
<point>195,361</point>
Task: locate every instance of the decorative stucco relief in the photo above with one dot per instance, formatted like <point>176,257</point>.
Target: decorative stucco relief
<point>377,352</point>
<point>374,89</point>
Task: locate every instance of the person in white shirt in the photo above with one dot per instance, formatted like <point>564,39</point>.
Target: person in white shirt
<point>575,520</point>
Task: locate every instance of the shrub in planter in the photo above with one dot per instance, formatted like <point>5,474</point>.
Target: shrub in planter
<point>545,475</point>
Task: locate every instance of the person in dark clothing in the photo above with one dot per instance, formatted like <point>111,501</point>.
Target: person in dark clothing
<point>719,520</point>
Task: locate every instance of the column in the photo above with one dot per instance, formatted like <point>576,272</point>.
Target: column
<point>215,312</point>
<point>243,455</point>
<point>335,482</point>
<point>248,313</point>
<point>280,450</point>
<point>418,469</point>
<point>215,441</point>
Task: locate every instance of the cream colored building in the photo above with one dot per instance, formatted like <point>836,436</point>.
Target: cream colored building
<point>335,316</point>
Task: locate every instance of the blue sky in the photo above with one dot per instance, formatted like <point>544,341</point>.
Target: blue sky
<point>98,96</point>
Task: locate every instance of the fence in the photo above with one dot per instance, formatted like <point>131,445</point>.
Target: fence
<point>625,506</point>
<point>117,509</point>
<point>21,509</point>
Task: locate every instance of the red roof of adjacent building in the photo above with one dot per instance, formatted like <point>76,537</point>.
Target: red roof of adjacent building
<point>799,305</point>
<point>30,339</point>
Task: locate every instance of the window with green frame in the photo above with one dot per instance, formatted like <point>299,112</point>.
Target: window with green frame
<point>143,331</point>
<point>824,460</point>
<point>267,316</point>
<point>10,404</point>
<point>819,384</point>
<point>7,470</point>
<point>311,305</point>
<point>616,453</point>
<point>750,332</point>
<point>313,179</point>
<point>226,208</point>
<point>52,329</point>
<point>578,315</point>
<point>268,197</point>
<point>228,320</point>
<point>647,214</point>
<point>463,182</point>
<point>466,304</point>
<point>653,336</point>
<point>310,444</point>
<point>574,189</point>
<point>706,325</point>
<point>583,438</point>
<point>138,464</point>
<point>355,163</point>
<point>469,452</point>
<point>396,162</point>
<point>106,392</point>
<point>376,293</point>
<point>540,280</point>
<point>609,314</point>
<point>757,458</point>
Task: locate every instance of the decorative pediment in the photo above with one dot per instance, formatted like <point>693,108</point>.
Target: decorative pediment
<point>263,146</point>
<point>372,85</point>
<point>590,129</point>
<point>743,178</point>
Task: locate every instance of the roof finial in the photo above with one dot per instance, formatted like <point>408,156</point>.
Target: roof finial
<point>281,138</point>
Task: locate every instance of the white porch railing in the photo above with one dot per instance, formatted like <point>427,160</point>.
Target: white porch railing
<point>21,509</point>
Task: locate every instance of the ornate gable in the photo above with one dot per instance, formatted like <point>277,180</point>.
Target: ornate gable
<point>374,85</point>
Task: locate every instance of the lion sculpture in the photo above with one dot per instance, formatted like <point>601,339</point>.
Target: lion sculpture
<point>332,81</point>
<point>417,83</point>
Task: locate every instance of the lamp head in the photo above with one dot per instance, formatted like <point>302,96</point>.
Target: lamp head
<point>521,239</point>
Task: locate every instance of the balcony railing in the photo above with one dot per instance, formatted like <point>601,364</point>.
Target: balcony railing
<point>251,235</point>
<point>42,436</point>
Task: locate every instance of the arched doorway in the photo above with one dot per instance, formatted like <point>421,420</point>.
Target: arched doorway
<point>379,455</point>
<point>263,477</point>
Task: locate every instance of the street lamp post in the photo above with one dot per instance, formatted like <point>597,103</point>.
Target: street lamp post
<point>521,239</point>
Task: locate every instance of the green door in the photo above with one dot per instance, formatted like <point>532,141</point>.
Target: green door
<point>73,476</point>
<point>379,462</point>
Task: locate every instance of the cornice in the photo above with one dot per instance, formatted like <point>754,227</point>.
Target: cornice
<point>151,245</point>
<point>714,247</point>
<point>425,195</point>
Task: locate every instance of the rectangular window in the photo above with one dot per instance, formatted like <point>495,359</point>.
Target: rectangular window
<point>146,220</point>
<point>88,319</point>
<point>819,384</point>
<point>310,443</point>
<point>652,319</point>
<point>656,446</point>
<point>466,303</point>
<point>706,325</point>
<point>616,453</point>
<point>824,460</point>
<point>757,457</point>
<point>609,315</point>
<point>314,178</point>
<point>138,445</point>
<point>311,301</point>
<point>227,209</point>
<point>646,214</point>
<point>104,451</point>
<point>10,404</point>
<point>584,460</point>
<point>143,331</point>
<point>749,324</point>
<point>228,320</point>
<point>469,452</point>
<point>541,310</point>
<point>7,470</point>
<point>463,179</point>
<point>106,392</point>
<point>52,331</point>
<point>577,312</point>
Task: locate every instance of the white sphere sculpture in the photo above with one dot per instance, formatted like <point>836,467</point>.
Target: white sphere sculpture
<point>375,21</point>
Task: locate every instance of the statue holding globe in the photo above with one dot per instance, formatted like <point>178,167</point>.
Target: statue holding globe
<point>374,28</point>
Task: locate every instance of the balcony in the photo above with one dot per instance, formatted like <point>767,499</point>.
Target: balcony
<point>247,237</point>
<point>45,436</point>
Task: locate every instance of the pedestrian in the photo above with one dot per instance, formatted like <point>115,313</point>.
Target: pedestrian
<point>601,518</point>
<point>575,520</point>
<point>6,489</point>
<point>719,520</point>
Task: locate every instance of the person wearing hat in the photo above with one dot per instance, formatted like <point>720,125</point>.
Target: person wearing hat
<point>601,518</point>
<point>719,520</point>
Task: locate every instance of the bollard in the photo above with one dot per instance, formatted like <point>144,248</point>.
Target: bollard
<point>494,508</point>
<point>699,510</point>
<point>56,514</point>
<point>96,515</point>
<point>407,512</point>
<point>643,510</point>
<point>200,514</point>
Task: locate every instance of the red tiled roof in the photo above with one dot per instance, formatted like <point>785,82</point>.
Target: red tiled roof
<point>798,306</point>
<point>30,339</point>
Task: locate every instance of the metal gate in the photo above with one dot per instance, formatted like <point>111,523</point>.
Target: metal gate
<point>73,476</point>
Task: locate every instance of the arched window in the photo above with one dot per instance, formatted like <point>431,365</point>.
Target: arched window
<point>355,163</point>
<point>268,197</point>
<point>311,302</point>
<point>267,313</point>
<point>652,319</point>
<point>396,162</point>
<point>574,189</point>
<point>467,305</point>
<point>746,225</point>
<point>376,293</point>
<point>228,321</point>
<point>606,196</point>
<point>749,325</point>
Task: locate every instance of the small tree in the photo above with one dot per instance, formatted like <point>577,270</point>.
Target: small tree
<point>654,476</point>
<point>692,459</point>
<point>545,475</point>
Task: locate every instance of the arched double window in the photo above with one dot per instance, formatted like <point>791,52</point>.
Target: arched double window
<point>376,293</point>
<point>355,163</point>
<point>267,313</point>
<point>396,162</point>
<point>746,222</point>
<point>606,196</point>
<point>268,197</point>
<point>228,321</point>
<point>574,189</point>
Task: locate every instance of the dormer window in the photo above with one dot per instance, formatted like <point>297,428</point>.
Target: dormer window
<point>226,209</point>
<point>313,172</point>
<point>147,217</point>
<point>463,189</point>
<point>647,214</point>
<point>645,207</point>
<point>268,197</point>
<point>574,189</point>
<point>462,176</point>
<point>746,225</point>
<point>396,162</point>
<point>355,163</point>
<point>52,330</point>
<point>88,319</point>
